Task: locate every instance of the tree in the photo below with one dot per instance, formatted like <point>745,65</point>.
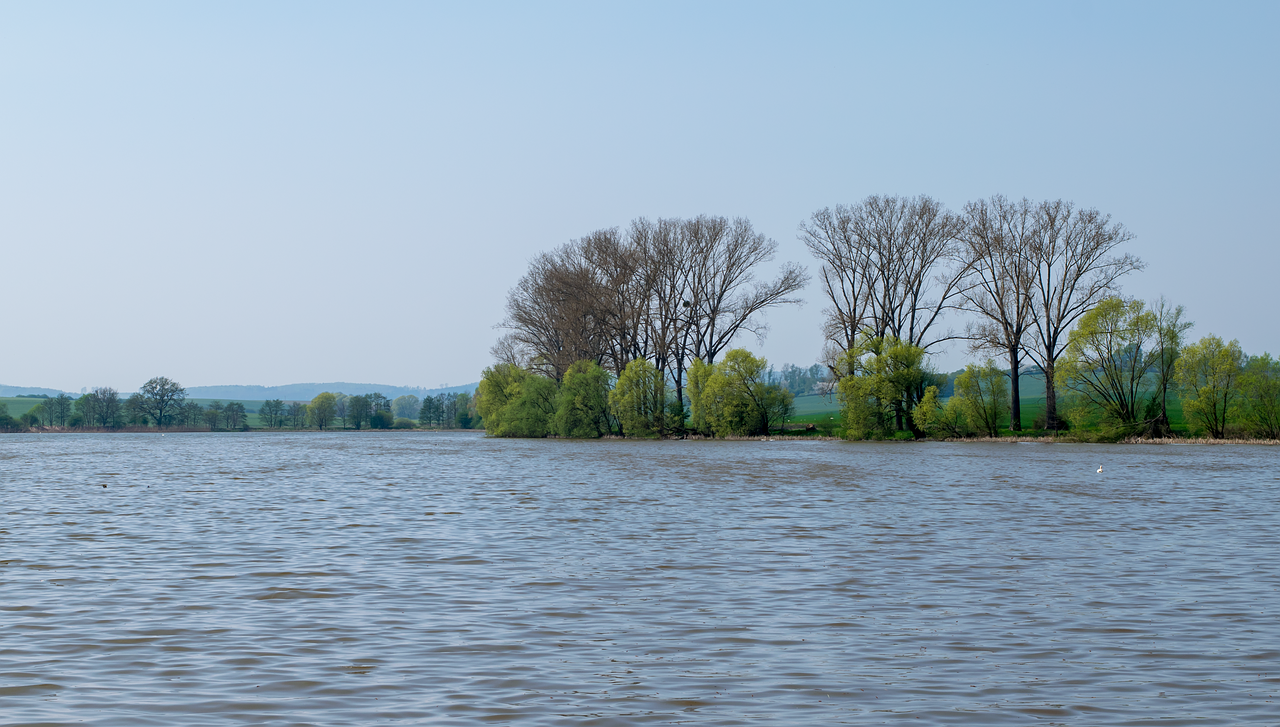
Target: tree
<point>430,412</point>
<point>462,410</point>
<point>1208,373</point>
<point>271,413</point>
<point>296,413</point>
<point>136,409</point>
<point>582,405</point>
<point>1111,357</point>
<point>997,237</point>
<point>699,373</point>
<point>322,410</point>
<point>191,414</point>
<point>1072,269</point>
<point>500,385</point>
<point>234,414</point>
<point>358,410</point>
<point>882,381</point>
<point>340,407</point>
<point>1171,330</point>
<point>406,406</point>
<point>638,400</point>
<point>160,396</point>
<point>936,418</point>
<point>892,268</point>
<point>1260,385</point>
<point>378,402</point>
<point>738,399</point>
<point>213,414</point>
<point>982,393</point>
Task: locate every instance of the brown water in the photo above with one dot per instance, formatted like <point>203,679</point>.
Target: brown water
<point>447,579</point>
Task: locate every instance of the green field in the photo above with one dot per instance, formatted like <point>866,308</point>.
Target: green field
<point>19,405</point>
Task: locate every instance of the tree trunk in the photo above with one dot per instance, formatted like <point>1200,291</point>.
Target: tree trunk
<point>1015,403</point>
<point>1050,398</point>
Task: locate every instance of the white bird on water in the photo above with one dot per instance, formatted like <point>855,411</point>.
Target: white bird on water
<point>1099,469</point>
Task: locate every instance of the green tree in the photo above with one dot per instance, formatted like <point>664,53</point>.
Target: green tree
<point>381,419</point>
<point>358,411</point>
<point>191,414</point>
<point>699,373</point>
<point>933,417</point>
<point>235,415</point>
<point>428,414</point>
<point>135,409</point>
<point>883,381</point>
<point>322,410</point>
<point>529,413</point>
<point>737,398</point>
<point>297,414</point>
<point>499,386</point>
<point>1261,387</point>
<point>462,410</point>
<point>271,413</point>
<point>1208,374</point>
<point>582,406</point>
<point>213,414</point>
<point>161,396</point>
<point>406,406</point>
<point>638,399</point>
<point>1112,358</point>
<point>982,393</point>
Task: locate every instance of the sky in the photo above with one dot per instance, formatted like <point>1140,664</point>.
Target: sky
<point>268,193</point>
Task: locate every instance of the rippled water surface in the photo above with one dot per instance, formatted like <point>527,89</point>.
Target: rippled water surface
<point>414,578</point>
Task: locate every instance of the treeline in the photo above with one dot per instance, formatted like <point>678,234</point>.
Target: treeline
<point>162,403</point>
<point>1036,283</point>
<point>732,397</point>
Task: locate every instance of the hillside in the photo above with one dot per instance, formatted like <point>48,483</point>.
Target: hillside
<point>306,392</point>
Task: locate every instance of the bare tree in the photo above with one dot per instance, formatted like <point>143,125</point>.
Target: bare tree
<point>892,267</point>
<point>830,237</point>
<point>996,239</point>
<point>1072,269</point>
<point>666,291</point>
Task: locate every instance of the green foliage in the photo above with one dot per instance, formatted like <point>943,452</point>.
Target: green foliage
<point>884,381</point>
<point>582,405</point>
<point>322,409</point>
<point>736,399</point>
<point>982,394</point>
<point>1208,374</point>
<point>699,373</point>
<point>499,386</point>
<point>933,417</point>
<point>406,407</point>
<point>358,411</point>
<point>1112,358</point>
<point>1260,385</point>
<point>529,412</point>
<point>638,400</point>
<point>381,419</point>
<point>403,423</point>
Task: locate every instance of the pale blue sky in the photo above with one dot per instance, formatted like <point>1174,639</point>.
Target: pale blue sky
<point>264,193</point>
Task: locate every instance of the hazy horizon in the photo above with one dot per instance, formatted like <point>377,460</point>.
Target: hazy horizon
<point>323,192</point>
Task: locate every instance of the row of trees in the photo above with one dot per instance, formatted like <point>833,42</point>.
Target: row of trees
<point>892,267</point>
<point>162,402</point>
<point>1123,365</point>
<point>669,292</point>
<point>732,397</point>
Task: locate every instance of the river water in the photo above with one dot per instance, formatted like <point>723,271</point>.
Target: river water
<point>449,579</point>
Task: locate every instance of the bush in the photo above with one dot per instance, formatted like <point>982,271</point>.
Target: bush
<point>403,423</point>
<point>381,420</point>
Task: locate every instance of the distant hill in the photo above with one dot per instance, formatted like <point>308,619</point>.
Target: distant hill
<point>306,392</point>
<point>23,390</point>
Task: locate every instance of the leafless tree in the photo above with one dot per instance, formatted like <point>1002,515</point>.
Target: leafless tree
<point>996,239</point>
<point>1072,268</point>
<point>666,290</point>
<point>892,266</point>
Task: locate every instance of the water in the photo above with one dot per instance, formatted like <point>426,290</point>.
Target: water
<point>447,579</point>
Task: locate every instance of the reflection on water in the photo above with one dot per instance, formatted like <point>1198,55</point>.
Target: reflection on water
<point>440,579</point>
